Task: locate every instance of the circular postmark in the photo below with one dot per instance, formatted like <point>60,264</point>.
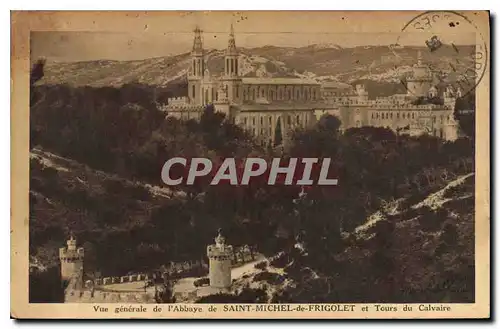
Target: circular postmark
<point>448,50</point>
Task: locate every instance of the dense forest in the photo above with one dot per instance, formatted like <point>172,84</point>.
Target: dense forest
<point>117,142</point>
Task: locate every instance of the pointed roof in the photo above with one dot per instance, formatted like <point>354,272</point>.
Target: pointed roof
<point>197,42</point>
<point>231,43</point>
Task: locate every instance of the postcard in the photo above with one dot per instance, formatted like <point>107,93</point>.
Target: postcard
<point>250,165</point>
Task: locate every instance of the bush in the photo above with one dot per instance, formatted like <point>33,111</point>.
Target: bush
<point>201,282</point>
<point>247,295</point>
<point>261,265</point>
<point>431,221</point>
<point>269,277</point>
<point>279,261</point>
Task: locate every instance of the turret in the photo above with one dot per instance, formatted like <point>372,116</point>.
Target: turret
<point>432,93</point>
<point>71,259</point>
<point>361,92</point>
<point>450,97</point>
<point>232,77</point>
<point>220,255</point>
<point>420,80</point>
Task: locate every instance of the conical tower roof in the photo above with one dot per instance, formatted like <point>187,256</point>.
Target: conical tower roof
<point>231,43</point>
<point>197,42</point>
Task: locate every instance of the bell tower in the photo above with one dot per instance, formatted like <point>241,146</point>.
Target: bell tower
<point>232,79</point>
<point>196,69</point>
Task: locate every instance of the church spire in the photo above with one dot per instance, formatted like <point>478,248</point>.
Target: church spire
<point>231,44</point>
<point>197,43</point>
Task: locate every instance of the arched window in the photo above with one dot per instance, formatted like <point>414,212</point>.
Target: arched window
<point>298,119</point>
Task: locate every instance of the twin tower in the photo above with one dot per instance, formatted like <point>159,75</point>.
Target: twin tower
<point>219,255</point>
<point>202,88</point>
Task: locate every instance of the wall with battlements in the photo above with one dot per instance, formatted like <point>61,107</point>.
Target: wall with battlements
<point>131,288</point>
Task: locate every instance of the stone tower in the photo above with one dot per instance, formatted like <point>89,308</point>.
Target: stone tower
<point>71,259</point>
<point>420,80</point>
<point>220,256</point>
<point>232,79</point>
<point>196,69</point>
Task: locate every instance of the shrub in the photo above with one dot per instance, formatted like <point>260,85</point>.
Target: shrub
<point>431,221</point>
<point>279,261</point>
<point>247,295</point>
<point>269,277</point>
<point>201,282</point>
<point>261,265</point>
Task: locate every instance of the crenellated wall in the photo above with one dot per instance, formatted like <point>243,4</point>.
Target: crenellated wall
<point>102,296</point>
<point>105,290</point>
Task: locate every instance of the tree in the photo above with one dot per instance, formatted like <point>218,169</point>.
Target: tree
<point>464,113</point>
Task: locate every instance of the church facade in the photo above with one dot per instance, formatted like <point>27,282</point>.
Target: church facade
<point>270,108</point>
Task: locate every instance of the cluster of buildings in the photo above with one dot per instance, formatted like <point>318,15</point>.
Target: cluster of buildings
<point>270,107</point>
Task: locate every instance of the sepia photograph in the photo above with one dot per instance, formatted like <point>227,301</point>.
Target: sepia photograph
<point>329,160</point>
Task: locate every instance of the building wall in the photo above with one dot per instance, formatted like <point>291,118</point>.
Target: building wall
<point>220,257</point>
<point>220,273</point>
<point>281,92</point>
<point>265,124</point>
<point>71,263</point>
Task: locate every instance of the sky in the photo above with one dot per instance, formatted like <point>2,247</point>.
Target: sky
<point>143,35</point>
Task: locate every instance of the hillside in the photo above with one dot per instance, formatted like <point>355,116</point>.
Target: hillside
<point>68,196</point>
<point>94,149</point>
<point>423,253</point>
<point>423,247</point>
<point>323,62</point>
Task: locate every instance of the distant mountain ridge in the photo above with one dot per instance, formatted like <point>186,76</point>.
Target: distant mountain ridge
<point>317,61</point>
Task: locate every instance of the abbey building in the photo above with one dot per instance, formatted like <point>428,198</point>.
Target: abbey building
<point>270,108</point>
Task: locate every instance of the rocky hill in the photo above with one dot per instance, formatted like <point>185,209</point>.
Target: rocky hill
<point>322,62</point>
<point>65,194</point>
<point>424,251</point>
